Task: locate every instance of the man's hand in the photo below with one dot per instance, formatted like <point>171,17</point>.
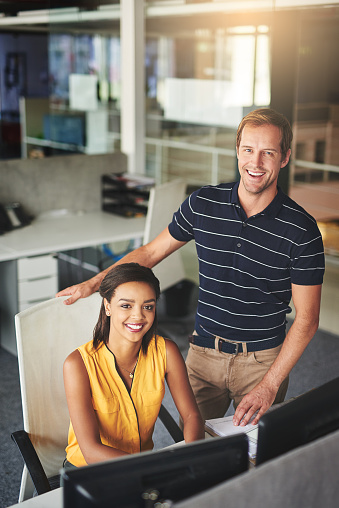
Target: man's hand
<point>258,400</point>
<point>77,291</point>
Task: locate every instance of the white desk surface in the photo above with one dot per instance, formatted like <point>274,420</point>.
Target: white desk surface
<point>53,499</point>
<point>70,231</point>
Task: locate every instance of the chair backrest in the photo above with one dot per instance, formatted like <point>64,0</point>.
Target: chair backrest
<point>164,200</point>
<point>46,334</point>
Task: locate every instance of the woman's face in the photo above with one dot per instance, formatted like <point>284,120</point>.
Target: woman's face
<point>131,310</point>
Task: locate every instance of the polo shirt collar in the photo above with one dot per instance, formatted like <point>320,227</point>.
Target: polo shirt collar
<point>274,207</point>
<point>234,195</point>
<point>271,210</point>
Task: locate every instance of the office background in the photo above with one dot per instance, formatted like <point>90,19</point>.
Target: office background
<point>203,65</point>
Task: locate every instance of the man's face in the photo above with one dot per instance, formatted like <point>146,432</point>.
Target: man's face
<point>260,158</point>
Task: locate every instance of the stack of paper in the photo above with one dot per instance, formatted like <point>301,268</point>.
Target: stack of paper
<point>224,427</point>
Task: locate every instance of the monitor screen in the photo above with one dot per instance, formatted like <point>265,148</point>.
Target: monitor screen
<point>143,479</point>
<point>301,420</point>
<point>65,128</point>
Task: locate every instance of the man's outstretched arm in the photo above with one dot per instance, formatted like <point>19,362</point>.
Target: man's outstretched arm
<point>147,255</point>
<point>306,301</point>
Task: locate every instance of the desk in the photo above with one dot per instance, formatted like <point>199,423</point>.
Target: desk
<point>53,499</point>
<point>52,234</point>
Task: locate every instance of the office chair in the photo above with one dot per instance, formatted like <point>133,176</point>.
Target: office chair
<point>46,334</point>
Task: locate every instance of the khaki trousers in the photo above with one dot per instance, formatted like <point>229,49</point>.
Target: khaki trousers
<point>217,378</point>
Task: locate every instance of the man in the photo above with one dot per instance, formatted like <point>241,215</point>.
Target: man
<point>256,248</point>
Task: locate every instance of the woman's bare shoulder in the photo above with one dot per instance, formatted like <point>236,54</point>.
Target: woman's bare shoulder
<point>74,360</point>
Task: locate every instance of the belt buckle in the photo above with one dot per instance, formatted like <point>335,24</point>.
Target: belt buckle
<point>235,344</point>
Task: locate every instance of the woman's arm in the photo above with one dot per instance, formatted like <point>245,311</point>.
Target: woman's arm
<point>82,414</point>
<point>178,383</point>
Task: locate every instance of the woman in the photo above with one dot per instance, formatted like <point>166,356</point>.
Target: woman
<point>116,382</point>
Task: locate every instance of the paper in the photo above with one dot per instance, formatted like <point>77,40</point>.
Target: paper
<point>224,427</point>
<point>83,92</point>
<point>252,449</point>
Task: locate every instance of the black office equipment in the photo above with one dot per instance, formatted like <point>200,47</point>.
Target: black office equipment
<point>13,216</point>
<point>124,194</point>
<point>305,418</point>
<point>145,479</point>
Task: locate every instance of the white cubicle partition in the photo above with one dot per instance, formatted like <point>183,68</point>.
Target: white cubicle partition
<point>164,200</point>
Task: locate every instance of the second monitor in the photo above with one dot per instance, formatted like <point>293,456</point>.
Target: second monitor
<point>301,420</point>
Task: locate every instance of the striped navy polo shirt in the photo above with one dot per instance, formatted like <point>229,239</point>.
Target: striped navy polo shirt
<point>247,265</point>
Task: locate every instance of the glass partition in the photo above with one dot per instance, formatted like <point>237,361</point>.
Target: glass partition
<point>44,53</point>
<point>60,85</point>
<point>199,85</point>
<point>314,179</point>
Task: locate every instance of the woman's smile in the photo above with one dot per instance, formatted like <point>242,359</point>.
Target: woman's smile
<point>133,327</point>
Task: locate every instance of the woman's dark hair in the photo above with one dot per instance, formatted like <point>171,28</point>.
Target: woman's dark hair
<point>120,274</point>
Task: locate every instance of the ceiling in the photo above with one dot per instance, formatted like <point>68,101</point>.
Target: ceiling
<point>162,16</point>
<point>10,8</point>
<point>53,15</point>
<point>102,16</point>
<point>99,16</point>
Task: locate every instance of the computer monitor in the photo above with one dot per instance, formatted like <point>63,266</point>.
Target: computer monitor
<point>299,421</point>
<point>141,480</point>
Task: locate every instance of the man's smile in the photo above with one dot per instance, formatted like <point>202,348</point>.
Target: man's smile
<point>255,174</point>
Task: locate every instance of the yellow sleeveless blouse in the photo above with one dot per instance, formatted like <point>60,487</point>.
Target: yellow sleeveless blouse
<point>126,420</point>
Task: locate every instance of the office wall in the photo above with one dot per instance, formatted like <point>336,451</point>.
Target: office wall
<point>65,182</point>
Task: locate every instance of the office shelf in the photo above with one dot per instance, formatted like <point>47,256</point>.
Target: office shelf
<point>28,140</point>
<point>33,111</point>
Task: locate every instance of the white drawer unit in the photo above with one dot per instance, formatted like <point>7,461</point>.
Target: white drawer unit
<point>37,280</point>
<point>37,267</point>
